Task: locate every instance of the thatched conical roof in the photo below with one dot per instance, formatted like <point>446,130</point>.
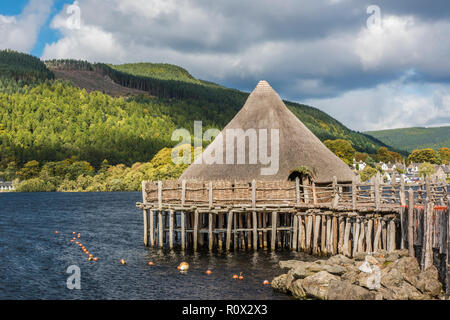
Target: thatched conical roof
<point>298,146</point>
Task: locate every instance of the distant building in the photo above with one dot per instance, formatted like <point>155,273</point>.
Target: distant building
<point>439,173</point>
<point>359,165</point>
<point>6,186</point>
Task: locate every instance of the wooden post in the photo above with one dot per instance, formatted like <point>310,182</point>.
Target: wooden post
<point>376,187</point>
<point>309,223</point>
<point>255,231</point>
<point>295,233</point>
<point>323,235</point>
<point>329,236</point>
<point>145,214</point>
<point>341,235</point>
<point>411,222</point>
<point>305,184</point>
<point>369,236</point>
<point>152,228</point>
<point>345,247</point>
<point>354,193</point>
<point>183,192</point>
<point>274,231</point>
<point>210,232</point>
<point>335,235</point>
<point>316,234</point>
<point>392,231</point>
<point>264,228</point>
<point>235,224</point>
<point>160,195</point>
<point>448,245</point>
<point>356,237</point>
<point>402,212</point>
<point>427,248</point>
<point>314,192</point>
<point>183,231</point>
<point>376,241</point>
<point>361,236</point>
<point>384,235</point>
<point>195,229</point>
<point>160,229</point>
<point>335,200</point>
<point>297,189</point>
<point>171,229</point>
<point>229,225</point>
<point>220,235</point>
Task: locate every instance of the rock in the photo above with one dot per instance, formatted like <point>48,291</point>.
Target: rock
<point>403,291</point>
<point>428,282</point>
<point>372,260</point>
<point>335,269</point>
<point>289,279</point>
<point>306,269</point>
<point>340,260</point>
<point>403,253</point>
<point>360,256</point>
<point>392,256</point>
<point>409,268</point>
<point>316,286</point>
<point>391,278</point>
<point>279,283</point>
<point>297,289</point>
<point>290,264</point>
<point>351,276</point>
<point>344,290</point>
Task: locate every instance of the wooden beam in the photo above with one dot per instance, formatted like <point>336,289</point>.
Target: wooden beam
<point>274,231</point>
<point>229,225</point>
<point>411,222</point>
<point>152,228</point>
<point>160,229</point>
<point>255,231</point>
<point>210,232</point>
<point>195,229</point>
<point>183,230</point>
<point>171,229</point>
<point>295,233</point>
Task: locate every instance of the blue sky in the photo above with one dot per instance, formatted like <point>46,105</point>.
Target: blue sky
<point>369,69</point>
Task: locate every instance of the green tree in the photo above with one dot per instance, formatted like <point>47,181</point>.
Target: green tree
<point>444,154</point>
<point>426,169</point>
<point>425,155</point>
<point>30,170</point>
<point>368,173</point>
<point>342,148</point>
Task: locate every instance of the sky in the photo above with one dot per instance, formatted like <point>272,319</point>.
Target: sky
<point>370,64</point>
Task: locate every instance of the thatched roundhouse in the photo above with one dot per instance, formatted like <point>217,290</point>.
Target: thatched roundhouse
<point>301,153</point>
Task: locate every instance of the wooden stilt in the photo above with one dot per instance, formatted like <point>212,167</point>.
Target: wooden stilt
<point>255,231</point>
<point>264,227</point>
<point>145,213</point>
<point>361,239</point>
<point>235,234</point>
<point>316,235</point>
<point>341,235</point>
<point>152,228</point>
<point>411,222</point>
<point>323,235</point>
<point>427,248</point>
<point>196,217</point>
<point>376,241</point>
<point>369,236</point>
<point>183,231</point>
<point>356,236</point>
<point>229,225</point>
<point>274,231</point>
<point>171,229</point>
<point>295,234</point>
<point>329,236</point>
<point>160,230</point>
<point>345,246</point>
<point>301,233</point>
<point>309,224</point>
<point>335,236</point>
<point>384,235</point>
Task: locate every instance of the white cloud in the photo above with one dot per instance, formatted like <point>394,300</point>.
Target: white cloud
<point>20,32</point>
<point>318,51</point>
<point>397,104</point>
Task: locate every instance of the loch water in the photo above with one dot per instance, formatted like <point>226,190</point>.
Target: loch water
<point>34,260</point>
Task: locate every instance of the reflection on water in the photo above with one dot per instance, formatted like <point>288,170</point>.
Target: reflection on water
<point>34,260</point>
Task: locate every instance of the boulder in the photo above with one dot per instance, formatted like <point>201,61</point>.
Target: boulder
<point>290,264</point>
<point>409,269</point>
<point>351,276</point>
<point>306,269</point>
<point>297,290</point>
<point>340,260</point>
<point>316,286</point>
<point>391,278</point>
<point>279,283</point>
<point>344,290</point>
<point>428,282</point>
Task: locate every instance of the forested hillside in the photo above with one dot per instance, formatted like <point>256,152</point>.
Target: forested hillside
<point>52,120</point>
<point>409,139</point>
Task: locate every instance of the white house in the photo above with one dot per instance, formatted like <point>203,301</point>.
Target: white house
<point>6,186</point>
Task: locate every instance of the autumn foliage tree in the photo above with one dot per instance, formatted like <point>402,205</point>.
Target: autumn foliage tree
<point>342,148</point>
<point>425,155</point>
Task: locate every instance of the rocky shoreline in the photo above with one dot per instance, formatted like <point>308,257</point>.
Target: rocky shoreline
<point>376,276</point>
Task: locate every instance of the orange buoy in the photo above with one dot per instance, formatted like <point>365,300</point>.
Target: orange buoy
<point>95,259</point>
<point>91,255</point>
<point>208,272</point>
<point>235,276</point>
<point>241,277</point>
<point>77,242</point>
<point>150,263</point>
<point>79,235</point>
<point>73,232</point>
<point>184,266</point>
<point>178,268</point>
<point>266,282</point>
<point>90,259</point>
<point>71,240</point>
<point>122,261</point>
<point>56,232</point>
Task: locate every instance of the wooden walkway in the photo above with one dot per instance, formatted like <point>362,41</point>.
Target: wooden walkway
<point>322,220</point>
